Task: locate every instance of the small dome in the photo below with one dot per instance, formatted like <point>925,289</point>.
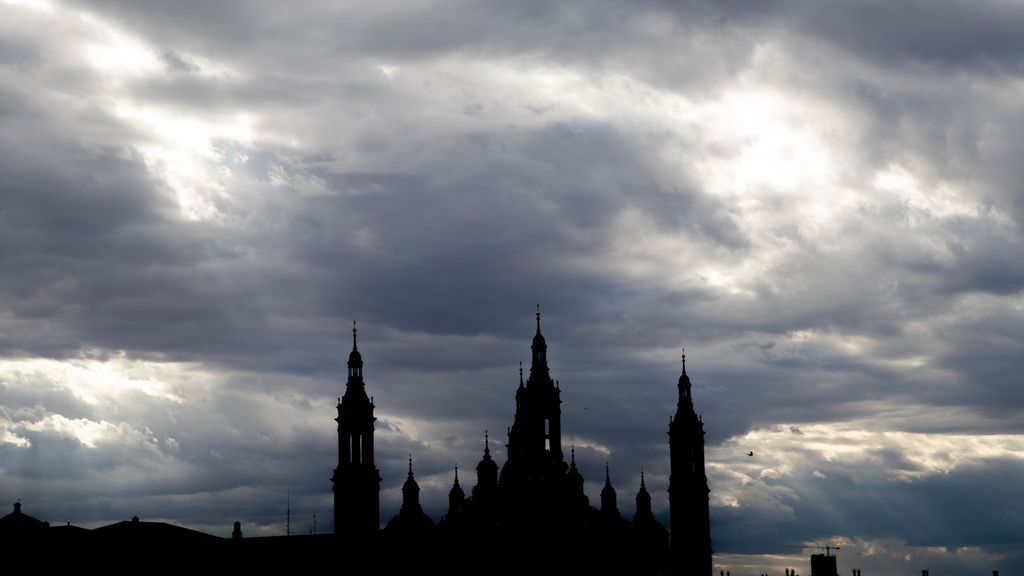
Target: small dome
<point>538,341</point>
<point>456,492</point>
<point>355,358</point>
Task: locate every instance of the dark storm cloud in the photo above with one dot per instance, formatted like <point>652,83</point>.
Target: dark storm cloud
<point>954,33</point>
<point>971,506</point>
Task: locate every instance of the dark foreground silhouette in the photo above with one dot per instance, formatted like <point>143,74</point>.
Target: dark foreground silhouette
<point>531,515</point>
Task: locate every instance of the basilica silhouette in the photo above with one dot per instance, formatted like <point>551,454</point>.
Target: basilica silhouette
<point>534,506</point>
<point>530,515</point>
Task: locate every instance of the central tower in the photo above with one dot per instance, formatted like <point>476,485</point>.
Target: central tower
<point>356,479</point>
<point>535,457</point>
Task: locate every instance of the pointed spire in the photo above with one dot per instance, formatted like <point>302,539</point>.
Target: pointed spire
<point>609,505</point>
<point>456,496</point>
<point>643,502</point>
<point>684,360</point>
<point>520,373</point>
<point>410,493</point>
<point>486,470</point>
<point>573,471</point>
<point>354,330</point>
<point>539,366</point>
<point>575,481</point>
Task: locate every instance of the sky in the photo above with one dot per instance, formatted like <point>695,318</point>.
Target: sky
<point>821,201</point>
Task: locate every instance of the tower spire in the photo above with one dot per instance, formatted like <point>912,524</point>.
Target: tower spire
<point>487,444</point>
<point>539,366</point>
<point>356,479</point>
<point>456,496</point>
<point>688,485</point>
<point>410,494</point>
<point>609,504</point>
<point>643,513</point>
<point>685,388</point>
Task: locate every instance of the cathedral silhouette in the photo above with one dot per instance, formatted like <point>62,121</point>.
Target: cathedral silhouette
<point>530,515</point>
<point>535,503</point>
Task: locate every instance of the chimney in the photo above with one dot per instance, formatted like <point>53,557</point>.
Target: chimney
<point>17,507</point>
<point>236,534</point>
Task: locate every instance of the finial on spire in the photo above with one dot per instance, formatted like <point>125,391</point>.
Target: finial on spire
<point>641,477</point>
<point>457,474</point>
<point>410,465</point>
<point>487,444</point>
<point>520,373</point>
<point>607,478</point>
<point>684,360</point>
<point>354,334</point>
<point>572,451</point>
<point>538,317</point>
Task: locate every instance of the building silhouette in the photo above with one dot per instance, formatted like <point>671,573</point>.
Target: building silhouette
<point>688,485</point>
<point>356,480</point>
<point>529,515</point>
<point>535,501</point>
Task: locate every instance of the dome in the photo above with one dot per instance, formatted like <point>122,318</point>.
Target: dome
<point>355,358</point>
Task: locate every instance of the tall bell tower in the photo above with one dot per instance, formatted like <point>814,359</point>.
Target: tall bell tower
<point>688,487</point>
<point>356,479</point>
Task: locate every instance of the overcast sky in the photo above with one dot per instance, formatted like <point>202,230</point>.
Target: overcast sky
<point>822,201</point>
